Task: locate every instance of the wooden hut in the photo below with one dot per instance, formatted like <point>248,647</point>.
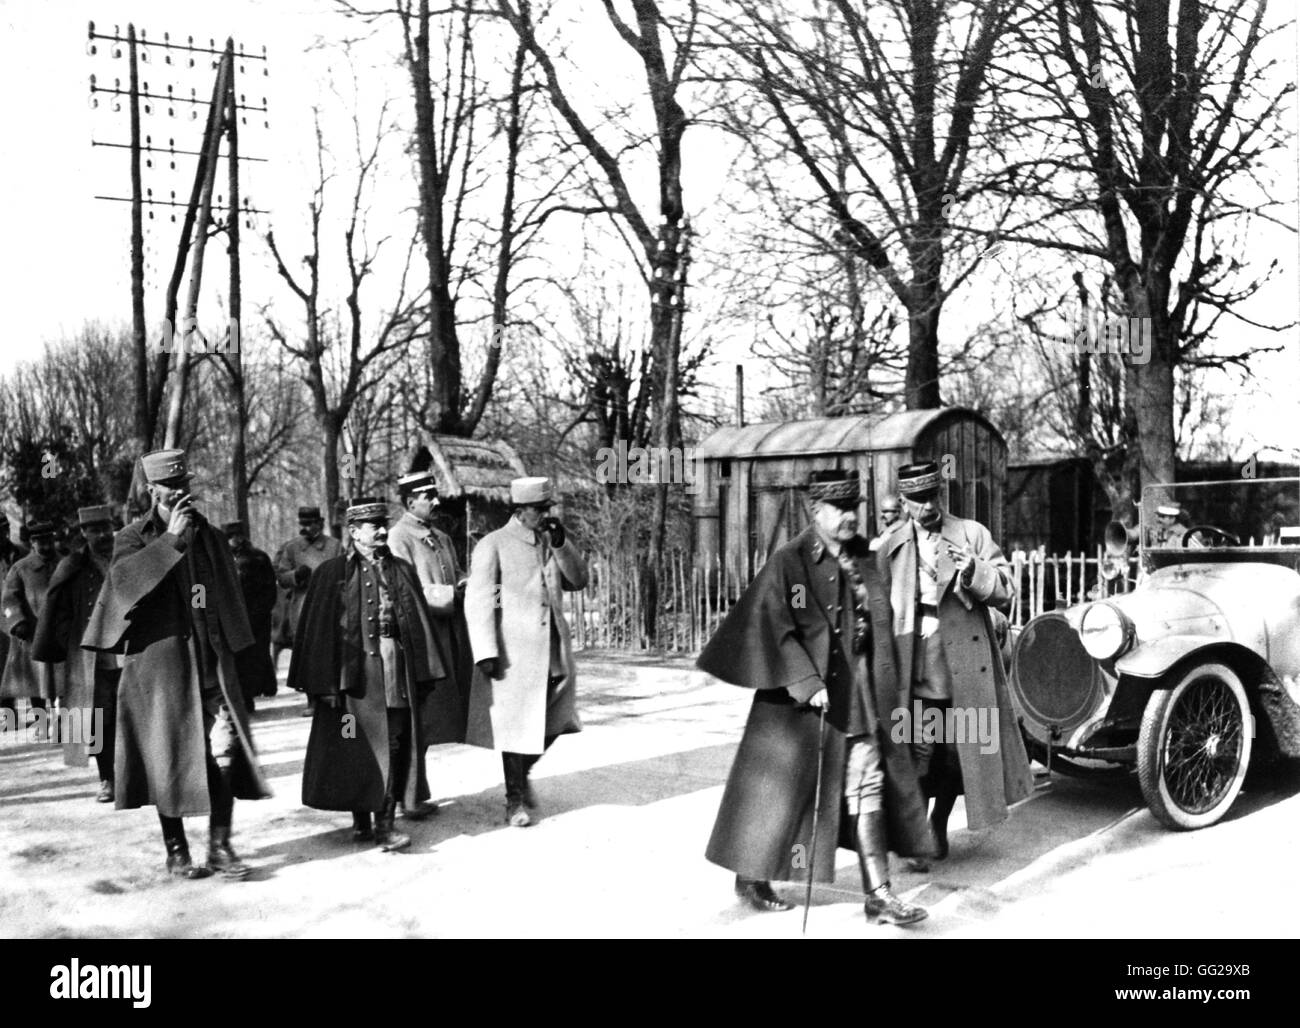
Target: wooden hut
<point>749,493</point>
<point>473,484</point>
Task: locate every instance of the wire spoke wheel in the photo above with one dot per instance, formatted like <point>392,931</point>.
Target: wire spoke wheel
<point>1194,747</point>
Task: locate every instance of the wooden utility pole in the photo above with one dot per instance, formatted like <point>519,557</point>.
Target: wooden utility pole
<point>234,345</point>
<point>211,147</point>
<point>139,333</point>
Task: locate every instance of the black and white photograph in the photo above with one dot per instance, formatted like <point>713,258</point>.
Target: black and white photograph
<point>652,470</point>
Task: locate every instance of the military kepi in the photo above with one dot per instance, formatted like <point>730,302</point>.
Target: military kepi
<point>918,479</point>
<point>165,466</point>
<point>96,515</point>
<point>837,486</point>
<point>531,492</point>
<point>367,508</point>
<point>308,514</point>
<point>417,482</point>
<point>235,528</point>
<point>39,526</point>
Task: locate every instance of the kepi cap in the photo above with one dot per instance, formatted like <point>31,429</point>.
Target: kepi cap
<point>530,492</point>
<point>309,514</point>
<point>918,479</point>
<point>234,528</point>
<point>417,482</point>
<point>838,486</point>
<point>368,508</point>
<point>95,515</point>
<point>39,526</point>
<point>165,466</point>
<point>1169,510</point>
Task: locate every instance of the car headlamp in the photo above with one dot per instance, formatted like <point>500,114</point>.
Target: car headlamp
<point>1104,631</point>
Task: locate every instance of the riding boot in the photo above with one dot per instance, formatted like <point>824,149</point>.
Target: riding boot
<point>873,860</point>
<point>759,895</point>
<point>516,775</point>
<point>179,864</point>
<point>361,829</point>
<point>389,838</point>
<point>945,798</point>
<point>221,856</point>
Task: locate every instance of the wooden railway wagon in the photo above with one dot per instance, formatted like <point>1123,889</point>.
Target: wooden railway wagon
<point>749,491</point>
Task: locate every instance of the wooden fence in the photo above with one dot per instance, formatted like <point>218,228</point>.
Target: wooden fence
<point>609,613</point>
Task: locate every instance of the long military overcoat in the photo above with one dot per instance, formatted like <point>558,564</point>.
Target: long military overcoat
<point>21,602</point>
<point>143,613</point>
<point>515,595</point>
<point>347,761</point>
<point>992,780</point>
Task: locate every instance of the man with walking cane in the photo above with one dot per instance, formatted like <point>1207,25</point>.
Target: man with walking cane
<point>812,636</point>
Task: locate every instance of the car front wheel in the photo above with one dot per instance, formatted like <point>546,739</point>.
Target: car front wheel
<point>1194,747</point>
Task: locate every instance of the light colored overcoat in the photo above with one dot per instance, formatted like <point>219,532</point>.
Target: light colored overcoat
<point>515,594</point>
<point>992,780</point>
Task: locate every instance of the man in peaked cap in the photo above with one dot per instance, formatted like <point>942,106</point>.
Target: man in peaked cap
<point>433,555</point>
<point>1170,531</point>
<point>86,680</point>
<point>296,561</point>
<point>811,635</point>
<point>21,602</point>
<point>948,577</point>
<point>172,606</point>
<point>369,655</point>
<point>523,695</point>
<point>257,582</point>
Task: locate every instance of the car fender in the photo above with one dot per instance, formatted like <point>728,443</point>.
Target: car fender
<point>1152,659</point>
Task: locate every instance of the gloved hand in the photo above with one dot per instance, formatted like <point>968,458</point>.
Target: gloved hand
<point>301,575</point>
<point>553,528</point>
<point>488,666</point>
<point>333,701</point>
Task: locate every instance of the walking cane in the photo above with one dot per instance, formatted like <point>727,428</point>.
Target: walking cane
<point>817,806</point>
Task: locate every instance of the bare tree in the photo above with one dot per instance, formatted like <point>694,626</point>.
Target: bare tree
<point>1165,121</point>
<point>853,96</point>
<point>341,360</point>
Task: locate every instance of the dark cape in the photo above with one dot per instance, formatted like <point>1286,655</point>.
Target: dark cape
<point>780,637</point>
<point>144,613</point>
<point>346,766</point>
<point>257,580</point>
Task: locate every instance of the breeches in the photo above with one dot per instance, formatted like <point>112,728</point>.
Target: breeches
<point>864,777</point>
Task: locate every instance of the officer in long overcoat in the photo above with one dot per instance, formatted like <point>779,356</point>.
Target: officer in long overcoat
<point>21,602</point>
<point>257,582</point>
<point>522,697</point>
<point>812,636</point>
<point>432,553</point>
<point>10,554</point>
<point>947,575</point>
<point>370,658</point>
<point>86,680</point>
<point>297,559</point>
<point>172,607</point>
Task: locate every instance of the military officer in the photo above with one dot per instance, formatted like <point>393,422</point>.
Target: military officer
<point>299,557</point>
<point>257,581</point>
<point>369,655</point>
<point>433,555</point>
<point>87,680</point>
<point>21,602</point>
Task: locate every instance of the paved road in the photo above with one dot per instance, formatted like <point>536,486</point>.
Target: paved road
<point>627,808</point>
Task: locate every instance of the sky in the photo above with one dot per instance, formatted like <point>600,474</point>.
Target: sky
<point>68,259</point>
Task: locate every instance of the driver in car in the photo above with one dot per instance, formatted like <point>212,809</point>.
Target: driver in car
<point>1170,531</point>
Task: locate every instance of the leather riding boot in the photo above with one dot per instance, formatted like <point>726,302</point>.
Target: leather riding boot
<point>759,895</point>
<point>222,858</point>
<point>179,864</point>
<point>389,838</point>
<point>516,782</point>
<point>873,859</point>
<point>361,829</point>
<point>944,800</point>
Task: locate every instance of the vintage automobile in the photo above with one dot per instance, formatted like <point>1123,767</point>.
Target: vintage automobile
<point>1193,672</point>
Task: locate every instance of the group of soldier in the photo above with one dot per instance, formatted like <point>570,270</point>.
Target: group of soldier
<point>166,626</point>
<point>163,628</point>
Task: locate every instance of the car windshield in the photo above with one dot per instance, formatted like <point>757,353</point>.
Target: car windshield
<point>1217,515</point>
